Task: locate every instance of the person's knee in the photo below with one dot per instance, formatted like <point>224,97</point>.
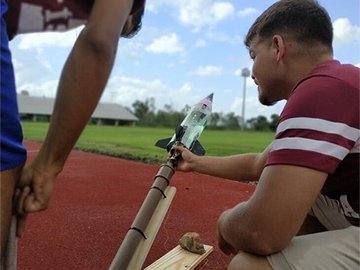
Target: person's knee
<point>246,261</point>
<point>236,262</point>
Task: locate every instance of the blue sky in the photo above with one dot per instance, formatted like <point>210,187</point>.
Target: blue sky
<point>185,50</point>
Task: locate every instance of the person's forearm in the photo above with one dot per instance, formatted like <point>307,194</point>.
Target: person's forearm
<point>82,82</point>
<point>80,88</point>
<point>245,167</point>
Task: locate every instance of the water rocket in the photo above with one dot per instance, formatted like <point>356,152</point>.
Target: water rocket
<point>141,234</point>
<point>190,129</point>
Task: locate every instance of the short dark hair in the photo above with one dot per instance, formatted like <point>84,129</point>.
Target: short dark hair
<point>305,21</point>
<point>137,13</point>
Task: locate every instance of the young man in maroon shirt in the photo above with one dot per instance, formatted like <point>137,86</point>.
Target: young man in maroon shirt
<point>304,211</point>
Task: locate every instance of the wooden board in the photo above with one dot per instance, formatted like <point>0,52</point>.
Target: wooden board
<point>179,259</point>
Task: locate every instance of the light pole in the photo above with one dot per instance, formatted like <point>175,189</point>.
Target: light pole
<point>245,72</point>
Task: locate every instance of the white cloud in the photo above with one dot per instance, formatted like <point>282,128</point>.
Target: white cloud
<point>196,13</point>
<point>126,90</point>
<point>222,10</point>
<point>44,89</point>
<point>166,44</point>
<point>48,39</point>
<point>208,70</point>
<point>131,50</point>
<point>186,88</point>
<point>17,64</point>
<point>200,43</point>
<point>203,12</point>
<point>247,12</point>
<point>224,37</point>
<point>253,108</point>
<point>345,32</point>
<point>358,65</point>
<point>34,71</point>
<point>154,5</point>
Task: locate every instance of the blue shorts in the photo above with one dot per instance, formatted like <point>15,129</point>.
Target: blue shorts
<point>12,151</point>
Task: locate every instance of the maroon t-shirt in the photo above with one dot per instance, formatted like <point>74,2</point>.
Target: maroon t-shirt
<point>319,129</point>
<point>27,16</point>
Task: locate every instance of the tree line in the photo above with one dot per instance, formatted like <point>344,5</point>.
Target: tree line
<point>148,116</point>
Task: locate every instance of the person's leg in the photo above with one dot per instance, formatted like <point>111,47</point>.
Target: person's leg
<point>8,180</point>
<point>329,213</point>
<point>311,225</point>
<point>13,152</point>
<point>336,250</point>
<point>246,261</point>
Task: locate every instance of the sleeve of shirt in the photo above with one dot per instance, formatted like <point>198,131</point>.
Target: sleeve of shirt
<point>319,125</point>
<point>39,15</point>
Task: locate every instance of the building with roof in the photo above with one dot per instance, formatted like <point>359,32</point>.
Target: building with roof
<point>35,108</point>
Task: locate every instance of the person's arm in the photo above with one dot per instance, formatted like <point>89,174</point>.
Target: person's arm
<point>274,213</point>
<point>243,167</point>
<point>82,82</point>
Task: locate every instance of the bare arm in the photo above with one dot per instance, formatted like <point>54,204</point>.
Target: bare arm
<point>274,214</point>
<point>82,82</point>
<point>243,167</point>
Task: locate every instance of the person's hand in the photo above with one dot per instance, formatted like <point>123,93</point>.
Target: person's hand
<point>187,158</point>
<point>32,194</point>
<point>223,245</point>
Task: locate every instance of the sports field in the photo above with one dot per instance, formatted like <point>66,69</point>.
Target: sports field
<point>138,143</point>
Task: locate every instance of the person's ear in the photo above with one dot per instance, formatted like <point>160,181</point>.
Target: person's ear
<point>278,44</point>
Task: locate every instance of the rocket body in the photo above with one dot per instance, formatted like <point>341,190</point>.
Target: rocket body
<point>190,129</point>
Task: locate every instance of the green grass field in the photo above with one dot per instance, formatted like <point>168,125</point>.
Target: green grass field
<point>138,143</point>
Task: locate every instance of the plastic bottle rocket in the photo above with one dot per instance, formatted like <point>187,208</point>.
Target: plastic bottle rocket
<point>190,129</point>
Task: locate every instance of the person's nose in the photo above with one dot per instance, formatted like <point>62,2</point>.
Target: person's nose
<point>255,81</point>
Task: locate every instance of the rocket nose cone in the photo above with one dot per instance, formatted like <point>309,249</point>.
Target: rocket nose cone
<point>208,101</point>
<point>210,97</point>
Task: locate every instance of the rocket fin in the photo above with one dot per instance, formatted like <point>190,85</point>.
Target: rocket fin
<point>163,143</point>
<point>198,149</point>
<point>179,132</point>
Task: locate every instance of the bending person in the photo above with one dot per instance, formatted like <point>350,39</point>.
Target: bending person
<point>81,84</point>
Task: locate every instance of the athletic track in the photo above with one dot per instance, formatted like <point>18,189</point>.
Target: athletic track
<point>95,201</point>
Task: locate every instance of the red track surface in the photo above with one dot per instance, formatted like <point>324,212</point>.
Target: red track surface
<point>95,201</point>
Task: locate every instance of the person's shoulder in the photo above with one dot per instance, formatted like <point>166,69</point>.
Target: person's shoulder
<point>331,79</point>
<point>325,96</point>
<point>333,70</point>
